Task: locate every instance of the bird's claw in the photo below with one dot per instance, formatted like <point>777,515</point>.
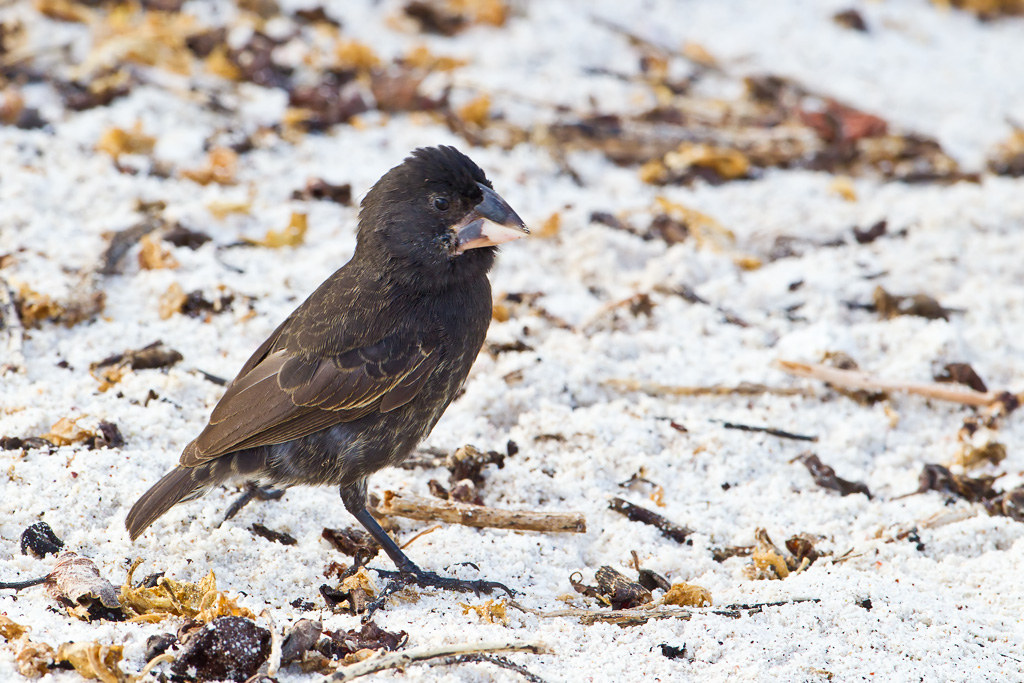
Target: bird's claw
<point>397,580</point>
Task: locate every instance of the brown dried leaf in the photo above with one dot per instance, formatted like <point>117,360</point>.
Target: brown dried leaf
<point>825,477</point>
<point>93,661</point>
<point>35,308</point>
<point>291,236</point>
<point>620,592</point>
<point>550,227</point>
<point>687,595</point>
<point>422,58</point>
<point>351,542</point>
<point>970,456</point>
<point>76,581</point>
<point>938,478</point>
<point>961,373</point>
<point>490,611</point>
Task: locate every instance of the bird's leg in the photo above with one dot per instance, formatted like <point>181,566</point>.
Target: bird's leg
<point>252,491</point>
<point>408,572</point>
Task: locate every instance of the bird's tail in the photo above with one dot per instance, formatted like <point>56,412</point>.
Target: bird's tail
<point>187,483</point>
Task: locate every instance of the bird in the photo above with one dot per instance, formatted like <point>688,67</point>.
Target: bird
<point>360,372</point>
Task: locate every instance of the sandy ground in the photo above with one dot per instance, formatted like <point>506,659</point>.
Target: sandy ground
<point>942,604</point>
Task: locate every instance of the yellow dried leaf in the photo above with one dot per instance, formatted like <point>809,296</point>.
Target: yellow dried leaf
<point>34,659</point>
<point>688,595</point>
<point>653,172</point>
<point>699,55</point>
<point>218,64</point>
<point>500,313</point>
<point>361,579</point>
<point>65,432</point>
<point>747,262</point>
<point>477,111</point>
<point>352,54</point>
<point>291,236</point>
<point>843,186</point>
<point>171,301</point>
<point>33,307</point>
<point>170,598</point>
<point>221,208</point>
<point>421,58</point>
<point>493,12</point>
<point>64,10</point>
<point>127,34</point>
<point>550,227</point>
<point>490,611</point>
<point>12,104</point>
<point>706,230</point>
<point>118,141</point>
<point>93,661</point>
<point>221,167</point>
<point>727,162</point>
<point>154,255</point>
<point>11,630</point>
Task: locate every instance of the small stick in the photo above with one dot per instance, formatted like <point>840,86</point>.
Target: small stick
<point>274,661</point>
<point>742,389</point>
<point>396,660</point>
<point>501,662</point>
<point>12,334</point>
<point>862,380</point>
<point>769,430</point>
<point>635,513</point>
<point>428,530</point>
<point>620,616</point>
<point>453,512</point>
<point>19,585</point>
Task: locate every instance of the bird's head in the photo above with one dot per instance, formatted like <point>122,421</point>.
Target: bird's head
<point>436,218</point>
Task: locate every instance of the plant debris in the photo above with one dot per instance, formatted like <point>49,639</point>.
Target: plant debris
<point>961,373</point>
<point>39,541</point>
<point>34,308</point>
<point>635,513</point>
<point>169,598</point>
<point>93,660</point>
<point>825,477</point>
<point>687,595</point>
<point>302,637</point>
<point>354,593</point>
<point>921,305</point>
<point>320,190</point>
<point>352,542</point>
<point>76,583</point>
<point>341,644</point>
<point>111,369</point>
<point>271,535</point>
<point>769,430</point>
<point>454,512</point>
<point>768,561</point>
<point>228,648</point>
<point>973,489</point>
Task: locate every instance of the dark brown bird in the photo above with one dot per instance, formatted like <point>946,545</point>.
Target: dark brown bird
<point>361,372</point>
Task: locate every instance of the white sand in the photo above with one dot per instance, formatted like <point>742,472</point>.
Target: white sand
<point>950,611</point>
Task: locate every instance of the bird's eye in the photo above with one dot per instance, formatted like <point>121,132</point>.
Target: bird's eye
<point>441,204</point>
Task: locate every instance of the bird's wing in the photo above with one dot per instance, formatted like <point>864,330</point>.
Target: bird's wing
<point>285,395</point>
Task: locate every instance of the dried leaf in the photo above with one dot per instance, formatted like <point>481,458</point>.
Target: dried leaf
<point>422,58</point>
<point>10,630</point>
<point>35,308</point>
<point>369,638</point>
<point>825,477</point>
<point>93,661</point>
<point>171,302</point>
<point>938,478</point>
<point>620,592</point>
<point>154,256</point>
<point>687,595</point>
<point>354,55</point>
<point>292,236</point>
<point>34,659</point>
<point>961,373</point>
<point>66,432</point>
<point>76,582</point>
<point>352,542</point>
<point>170,598</point>
<point>769,562</point>
<point>477,111</point>
<point>118,141</point>
<point>65,10</point>
<point>550,227</point>
<point>221,167</point>
<point>843,186</point>
<point>490,611</point>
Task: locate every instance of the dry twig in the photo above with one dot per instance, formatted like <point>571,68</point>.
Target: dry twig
<point>453,512</point>
<point>861,380</point>
<point>741,389</point>
<point>395,660</point>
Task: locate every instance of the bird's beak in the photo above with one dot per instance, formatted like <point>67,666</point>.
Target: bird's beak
<point>490,222</point>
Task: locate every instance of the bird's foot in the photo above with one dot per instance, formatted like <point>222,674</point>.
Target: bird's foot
<point>397,580</point>
<point>252,492</point>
